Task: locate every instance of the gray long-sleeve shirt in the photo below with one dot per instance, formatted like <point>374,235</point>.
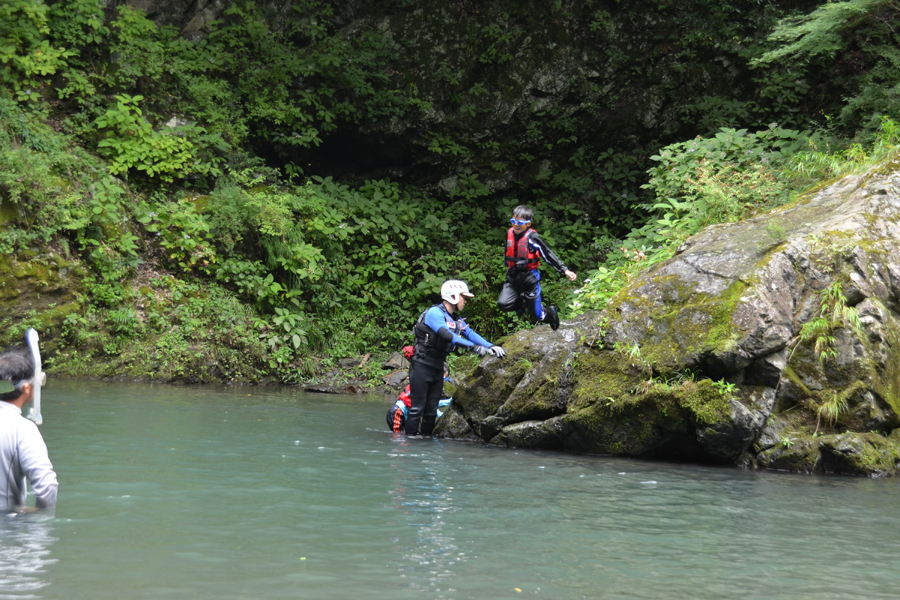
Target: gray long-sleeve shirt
<point>23,455</point>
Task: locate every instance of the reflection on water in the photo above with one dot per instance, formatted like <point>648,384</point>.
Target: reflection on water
<point>25,552</point>
<point>424,496</point>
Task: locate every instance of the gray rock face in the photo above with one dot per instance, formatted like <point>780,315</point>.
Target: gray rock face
<point>396,379</point>
<point>703,356</point>
<point>396,361</point>
<point>190,17</point>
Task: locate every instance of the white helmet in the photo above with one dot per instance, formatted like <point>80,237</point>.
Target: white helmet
<point>453,289</point>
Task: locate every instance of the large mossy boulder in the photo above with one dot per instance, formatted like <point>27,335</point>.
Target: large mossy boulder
<point>705,357</point>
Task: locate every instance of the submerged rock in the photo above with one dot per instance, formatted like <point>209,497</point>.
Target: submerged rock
<point>704,357</point>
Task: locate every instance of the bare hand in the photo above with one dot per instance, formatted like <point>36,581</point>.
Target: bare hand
<point>571,275</point>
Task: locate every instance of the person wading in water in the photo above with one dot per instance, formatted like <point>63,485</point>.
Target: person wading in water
<point>438,331</point>
<point>23,453</point>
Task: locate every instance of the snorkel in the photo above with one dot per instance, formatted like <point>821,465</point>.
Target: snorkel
<point>38,378</point>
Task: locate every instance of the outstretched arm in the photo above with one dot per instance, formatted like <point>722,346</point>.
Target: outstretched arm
<point>474,338</point>
<point>539,245</point>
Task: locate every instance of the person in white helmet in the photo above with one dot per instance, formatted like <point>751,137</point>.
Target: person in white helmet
<point>23,453</point>
<point>438,331</point>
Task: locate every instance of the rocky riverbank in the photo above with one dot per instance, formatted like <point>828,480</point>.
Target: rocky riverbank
<point>771,343</point>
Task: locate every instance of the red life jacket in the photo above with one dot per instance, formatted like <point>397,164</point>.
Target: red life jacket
<point>397,413</point>
<point>519,255</point>
<point>404,396</point>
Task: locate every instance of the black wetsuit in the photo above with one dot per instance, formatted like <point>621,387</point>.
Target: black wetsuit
<point>437,333</point>
<point>522,288</point>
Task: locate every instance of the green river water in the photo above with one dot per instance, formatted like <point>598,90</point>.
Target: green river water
<point>221,493</point>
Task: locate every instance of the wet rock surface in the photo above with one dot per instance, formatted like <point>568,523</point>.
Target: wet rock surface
<point>704,357</point>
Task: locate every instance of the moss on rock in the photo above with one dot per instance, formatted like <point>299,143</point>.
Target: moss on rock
<point>865,454</point>
<point>40,291</point>
<point>798,455</point>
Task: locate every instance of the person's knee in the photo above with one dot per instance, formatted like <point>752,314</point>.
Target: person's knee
<point>507,301</point>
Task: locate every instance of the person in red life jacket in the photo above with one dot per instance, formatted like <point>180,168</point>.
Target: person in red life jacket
<point>399,411</point>
<point>439,330</point>
<point>524,251</point>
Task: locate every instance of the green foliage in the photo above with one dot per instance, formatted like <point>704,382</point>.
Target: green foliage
<point>364,259</point>
<point>500,39</point>
<point>818,32</point>
<point>250,279</point>
<point>610,178</point>
<point>78,24</point>
<point>707,180</point>
<point>132,143</point>
<point>602,22</point>
<point>124,322</point>
<point>171,328</point>
<point>53,187</point>
<point>182,232</point>
<point>27,57</point>
<point>831,410</point>
<point>724,388</point>
<point>444,145</point>
<point>833,313</point>
<point>630,351</point>
<point>731,176</point>
<point>343,78</point>
<point>13,331</point>
<point>776,232</point>
<point>708,114</point>
<point>783,91</point>
<point>338,269</point>
<point>293,325</point>
<point>680,167</point>
<point>820,162</point>
<point>211,101</point>
<point>859,33</point>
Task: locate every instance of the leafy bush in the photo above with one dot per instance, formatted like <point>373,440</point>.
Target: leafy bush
<point>860,34</point>
<point>132,143</point>
<point>722,179</point>
<point>26,57</point>
<point>183,232</point>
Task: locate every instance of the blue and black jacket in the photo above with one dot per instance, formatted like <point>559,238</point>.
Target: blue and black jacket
<point>438,333</point>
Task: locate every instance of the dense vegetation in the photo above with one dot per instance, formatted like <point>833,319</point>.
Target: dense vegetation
<point>198,179</point>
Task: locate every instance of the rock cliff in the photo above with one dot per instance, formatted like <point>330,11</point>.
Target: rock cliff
<point>770,343</point>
